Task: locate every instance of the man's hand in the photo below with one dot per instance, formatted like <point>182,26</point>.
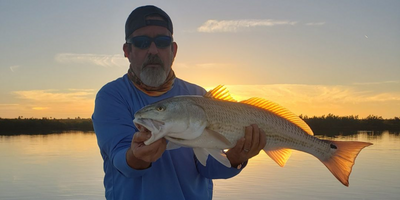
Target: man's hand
<point>139,155</point>
<point>247,147</point>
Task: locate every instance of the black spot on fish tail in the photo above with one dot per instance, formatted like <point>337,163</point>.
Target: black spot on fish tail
<point>333,146</point>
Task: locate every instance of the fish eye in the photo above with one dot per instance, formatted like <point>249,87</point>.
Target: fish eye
<point>160,108</point>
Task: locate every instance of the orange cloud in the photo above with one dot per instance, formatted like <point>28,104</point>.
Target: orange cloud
<point>52,103</point>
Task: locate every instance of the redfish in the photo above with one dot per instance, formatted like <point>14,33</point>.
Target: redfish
<point>214,122</point>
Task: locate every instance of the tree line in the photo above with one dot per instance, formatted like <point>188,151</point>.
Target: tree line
<point>43,126</point>
<point>333,124</point>
<point>321,125</point>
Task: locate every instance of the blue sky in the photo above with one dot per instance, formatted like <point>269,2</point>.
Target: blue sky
<point>313,57</point>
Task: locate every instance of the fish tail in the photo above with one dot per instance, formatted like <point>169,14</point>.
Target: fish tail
<point>342,160</point>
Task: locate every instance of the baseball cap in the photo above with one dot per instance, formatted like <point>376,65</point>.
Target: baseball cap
<point>137,19</point>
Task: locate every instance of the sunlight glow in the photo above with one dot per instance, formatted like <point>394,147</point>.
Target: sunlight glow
<point>321,100</point>
<point>51,103</point>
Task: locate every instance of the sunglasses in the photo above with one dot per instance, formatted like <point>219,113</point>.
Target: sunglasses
<point>144,42</point>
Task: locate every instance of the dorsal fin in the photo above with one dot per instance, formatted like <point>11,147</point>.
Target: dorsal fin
<point>220,93</point>
<point>280,111</point>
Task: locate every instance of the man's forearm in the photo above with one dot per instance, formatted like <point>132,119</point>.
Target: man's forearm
<point>134,162</point>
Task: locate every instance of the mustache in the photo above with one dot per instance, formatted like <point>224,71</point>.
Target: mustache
<point>153,59</point>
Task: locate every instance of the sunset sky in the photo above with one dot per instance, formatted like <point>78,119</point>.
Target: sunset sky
<point>313,57</point>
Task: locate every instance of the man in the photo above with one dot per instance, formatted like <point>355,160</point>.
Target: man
<point>137,171</point>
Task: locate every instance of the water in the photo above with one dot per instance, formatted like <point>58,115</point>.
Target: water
<point>69,166</point>
<point>56,166</point>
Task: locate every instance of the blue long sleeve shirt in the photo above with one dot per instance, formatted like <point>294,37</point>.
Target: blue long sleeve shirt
<point>176,175</point>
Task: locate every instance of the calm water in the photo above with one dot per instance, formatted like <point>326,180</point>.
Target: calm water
<point>69,166</point>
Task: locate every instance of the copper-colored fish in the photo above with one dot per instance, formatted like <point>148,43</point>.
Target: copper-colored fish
<point>216,121</point>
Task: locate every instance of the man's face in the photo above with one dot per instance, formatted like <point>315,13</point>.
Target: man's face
<point>151,65</point>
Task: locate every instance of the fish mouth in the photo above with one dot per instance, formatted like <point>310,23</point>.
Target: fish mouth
<point>152,126</point>
<point>148,125</point>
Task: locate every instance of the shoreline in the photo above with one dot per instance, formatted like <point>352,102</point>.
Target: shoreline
<point>329,125</point>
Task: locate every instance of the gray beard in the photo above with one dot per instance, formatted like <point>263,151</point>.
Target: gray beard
<point>153,77</point>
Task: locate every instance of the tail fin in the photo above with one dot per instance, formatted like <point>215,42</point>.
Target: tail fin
<point>342,160</point>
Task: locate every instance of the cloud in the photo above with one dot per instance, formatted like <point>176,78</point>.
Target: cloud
<point>377,83</point>
<point>14,68</point>
<point>8,105</point>
<point>94,59</point>
<point>40,108</point>
<point>211,26</point>
<point>315,24</point>
<point>54,96</point>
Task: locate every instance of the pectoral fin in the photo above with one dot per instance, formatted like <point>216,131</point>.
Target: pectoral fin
<point>202,155</point>
<point>220,157</point>
<point>216,137</point>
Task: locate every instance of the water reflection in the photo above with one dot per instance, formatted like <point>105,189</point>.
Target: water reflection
<point>54,166</point>
<point>335,133</point>
<point>375,175</point>
<point>69,166</point>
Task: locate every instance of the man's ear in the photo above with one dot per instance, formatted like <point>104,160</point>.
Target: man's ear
<point>174,48</point>
<point>126,49</point>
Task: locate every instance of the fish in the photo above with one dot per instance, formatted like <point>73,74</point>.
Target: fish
<point>215,122</point>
